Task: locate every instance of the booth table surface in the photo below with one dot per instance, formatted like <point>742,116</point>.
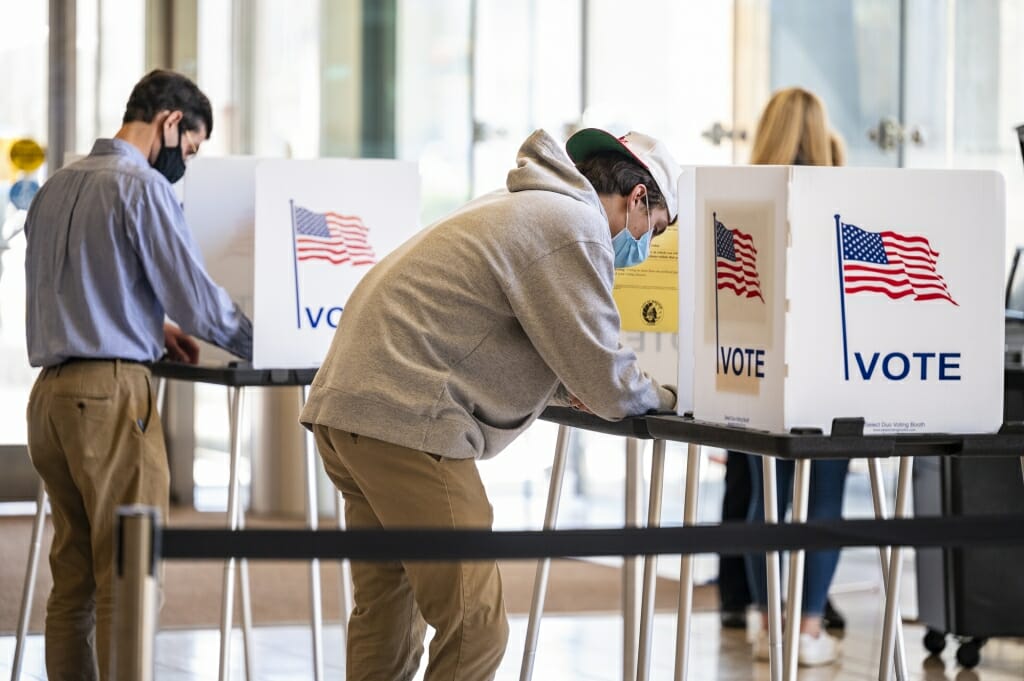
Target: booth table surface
<point>240,375</point>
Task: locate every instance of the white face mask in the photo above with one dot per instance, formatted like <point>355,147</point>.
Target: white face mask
<point>628,250</point>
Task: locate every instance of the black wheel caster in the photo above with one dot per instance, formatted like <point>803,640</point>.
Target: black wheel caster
<point>969,653</point>
<point>934,641</point>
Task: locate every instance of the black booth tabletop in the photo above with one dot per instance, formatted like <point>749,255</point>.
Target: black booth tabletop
<point>236,375</point>
<point>634,426</point>
<point>846,441</point>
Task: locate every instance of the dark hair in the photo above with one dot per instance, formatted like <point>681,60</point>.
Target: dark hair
<point>613,173</point>
<point>161,90</point>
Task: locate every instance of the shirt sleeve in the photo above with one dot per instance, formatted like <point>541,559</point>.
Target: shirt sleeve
<point>564,303</point>
<point>172,263</point>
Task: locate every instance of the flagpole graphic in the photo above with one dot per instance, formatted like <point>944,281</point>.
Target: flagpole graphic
<point>295,264</point>
<point>718,349</point>
<point>842,298</point>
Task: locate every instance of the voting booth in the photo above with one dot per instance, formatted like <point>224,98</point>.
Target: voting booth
<point>290,239</point>
<point>320,226</point>
<point>823,293</point>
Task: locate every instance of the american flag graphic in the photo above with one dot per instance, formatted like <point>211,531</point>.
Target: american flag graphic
<point>895,265</point>
<point>736,262</point>
<point>336,238</point>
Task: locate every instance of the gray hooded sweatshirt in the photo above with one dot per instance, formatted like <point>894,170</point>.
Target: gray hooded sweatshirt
<point>455,342</point>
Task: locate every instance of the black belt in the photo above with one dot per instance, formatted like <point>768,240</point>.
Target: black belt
<point>79,360</point>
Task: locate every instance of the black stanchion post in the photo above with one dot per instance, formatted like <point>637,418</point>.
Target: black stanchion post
<point>135,595</point>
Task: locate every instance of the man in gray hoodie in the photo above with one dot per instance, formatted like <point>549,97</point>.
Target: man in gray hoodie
<point>450,348</point>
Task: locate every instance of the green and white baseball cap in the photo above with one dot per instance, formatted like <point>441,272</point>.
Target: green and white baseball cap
<point>647,151</point>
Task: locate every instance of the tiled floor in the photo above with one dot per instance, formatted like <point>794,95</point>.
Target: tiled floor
<point>578,648</point>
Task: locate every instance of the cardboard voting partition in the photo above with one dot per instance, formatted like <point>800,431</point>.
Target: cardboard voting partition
<point>320,226</point>
<point>220,210</point>
<point>822,293</point>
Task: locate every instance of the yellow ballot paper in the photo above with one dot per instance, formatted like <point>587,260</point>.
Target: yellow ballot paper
<point>648,294</point>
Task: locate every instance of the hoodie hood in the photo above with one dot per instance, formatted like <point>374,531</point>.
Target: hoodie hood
<point>543,164</point>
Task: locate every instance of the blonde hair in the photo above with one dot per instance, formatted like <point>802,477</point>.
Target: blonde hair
<point>794,130</point>
<point>838,149</point>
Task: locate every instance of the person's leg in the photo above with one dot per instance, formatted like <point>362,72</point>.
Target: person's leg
<point>111,431</point>
<point>385,629</point>
<point>828,481</point>
<point>817,647</point>
<point>733,591</point>
<point>755,562</point>
<point>461,600</point>
<point>71,607</point>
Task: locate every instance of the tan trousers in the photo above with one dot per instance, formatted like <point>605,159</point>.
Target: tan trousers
<point>95,438</point>
<point>388,486</point>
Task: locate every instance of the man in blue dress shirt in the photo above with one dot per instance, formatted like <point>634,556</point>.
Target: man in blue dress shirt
<point>109,258</point>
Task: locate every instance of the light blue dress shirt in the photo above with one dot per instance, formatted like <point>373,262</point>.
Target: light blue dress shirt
<point>109,254</point>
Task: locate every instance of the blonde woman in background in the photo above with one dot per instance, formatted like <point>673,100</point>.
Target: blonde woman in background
<point>794,130</point>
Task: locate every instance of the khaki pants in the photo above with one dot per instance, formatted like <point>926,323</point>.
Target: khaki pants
<point>95,438</point>
<point>388,486</point>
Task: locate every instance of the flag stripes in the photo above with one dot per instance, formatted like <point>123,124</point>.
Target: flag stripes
<point>736,262</point>
<point>332,237</point>
<point>891,264</point>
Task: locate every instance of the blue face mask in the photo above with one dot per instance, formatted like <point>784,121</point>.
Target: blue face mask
<point>630,251</point>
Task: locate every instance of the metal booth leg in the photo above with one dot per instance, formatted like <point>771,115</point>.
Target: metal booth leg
<point>795,591</point>
<point>771,516</point>
<point>30,581</point>
<point>881,512</point>
<point>650,563</point>
<point>312,513</point>
<point>686,565</point>
<point>540,582</point>
<point>236,521</point>
<point>631,565</point>
<point>892,591</point>
<point>345,570</point>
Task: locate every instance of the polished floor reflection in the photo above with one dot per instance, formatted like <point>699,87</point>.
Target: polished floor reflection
<point>583,648</point>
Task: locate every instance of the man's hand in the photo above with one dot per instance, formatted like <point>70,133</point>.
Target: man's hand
<point>180,346</point>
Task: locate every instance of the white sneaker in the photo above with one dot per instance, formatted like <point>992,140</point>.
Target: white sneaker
<point>814,651</point>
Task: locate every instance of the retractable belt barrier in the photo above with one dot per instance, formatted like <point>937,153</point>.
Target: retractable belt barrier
<point>726,538</point>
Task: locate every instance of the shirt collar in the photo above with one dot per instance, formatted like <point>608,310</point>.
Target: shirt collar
<point>118,147</point>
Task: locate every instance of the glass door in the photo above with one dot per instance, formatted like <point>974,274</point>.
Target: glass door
<point>848,52</point>
<point>678,87</point>
<point>965,93</point>
<point>526,74</point>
